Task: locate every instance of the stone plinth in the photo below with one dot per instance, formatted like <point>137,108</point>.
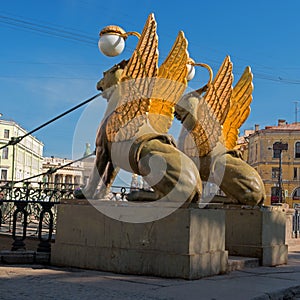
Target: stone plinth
<point>24,257</point>
<point>189,243</point>
<point>257,232</point>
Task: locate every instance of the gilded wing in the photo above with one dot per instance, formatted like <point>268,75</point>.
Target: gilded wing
<point>219,92</point>
<point>169,86</point>
<point>239,108</point>
<point>211,112</point>
<point>135,87</point>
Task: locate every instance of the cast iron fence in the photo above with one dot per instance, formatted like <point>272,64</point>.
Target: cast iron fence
<point>31,205</point>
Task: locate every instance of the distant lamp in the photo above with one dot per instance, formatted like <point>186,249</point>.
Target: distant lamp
<point>112,40</point>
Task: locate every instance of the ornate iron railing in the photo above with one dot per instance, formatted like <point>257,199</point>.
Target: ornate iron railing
<point>31,205</point>
<point>35,191</point>
<point>20,198</point>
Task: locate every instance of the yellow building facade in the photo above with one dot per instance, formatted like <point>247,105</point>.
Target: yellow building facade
<point>22,160</point>
<point>277,173</point>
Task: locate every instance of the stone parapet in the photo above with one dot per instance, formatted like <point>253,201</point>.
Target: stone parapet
<point>189,243</point>
<point>257,232</point>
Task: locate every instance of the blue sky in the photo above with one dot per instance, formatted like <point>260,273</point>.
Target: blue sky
<point>50,60</point>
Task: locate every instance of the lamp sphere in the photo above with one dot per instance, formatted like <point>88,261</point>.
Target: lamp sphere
<point>111,44</point>
<point>191,72</point>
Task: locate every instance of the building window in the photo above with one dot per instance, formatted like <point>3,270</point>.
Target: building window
<point>5,153</point>
<point>256,152</point>
<point>252,153</point>
<point>275,172</point>
<point>276,152</point>
<point>76,180</point>
<point>274,194</point>
<point>6,134</point>
<point>297,150</point>
<point>3,174</point>
<point>296,194</point>
<point>295,173</point>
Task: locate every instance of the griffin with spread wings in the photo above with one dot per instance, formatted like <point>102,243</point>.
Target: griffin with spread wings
<point>211,118</point>
<point>133,133</point>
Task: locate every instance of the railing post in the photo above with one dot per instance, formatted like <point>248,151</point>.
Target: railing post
<point>45,244</point>
<point>18,243</point>
<point>1,203</point>
<point>296,223</point>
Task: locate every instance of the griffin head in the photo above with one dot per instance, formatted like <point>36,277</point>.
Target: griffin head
<point>110,78</point>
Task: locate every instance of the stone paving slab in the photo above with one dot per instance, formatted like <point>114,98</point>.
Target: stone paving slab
<point>24,282</point>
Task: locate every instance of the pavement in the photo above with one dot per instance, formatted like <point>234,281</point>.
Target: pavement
<point>48,282</point>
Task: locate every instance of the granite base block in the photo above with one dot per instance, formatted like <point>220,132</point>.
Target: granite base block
<point>189,243</point>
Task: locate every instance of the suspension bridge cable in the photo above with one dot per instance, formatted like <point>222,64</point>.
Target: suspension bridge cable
<point>53,170</point>
<point>16,140</point>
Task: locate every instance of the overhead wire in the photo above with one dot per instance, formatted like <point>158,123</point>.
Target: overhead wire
<point>54,170</point>
<point>74,35</point>
<point>43,22</point>
<point>58,32</point>
<point>16,140</point>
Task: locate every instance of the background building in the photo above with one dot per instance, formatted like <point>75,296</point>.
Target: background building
<point>22,160</point>
<point>76,173</point>
<point>275,153</point>
<point>242,143</point>
<point>71,174</point>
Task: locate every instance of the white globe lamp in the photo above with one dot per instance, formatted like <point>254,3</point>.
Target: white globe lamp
<point>112,40</point>
<point>191,72</point>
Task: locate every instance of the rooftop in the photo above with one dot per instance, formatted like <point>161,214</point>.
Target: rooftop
<point>281,126</point>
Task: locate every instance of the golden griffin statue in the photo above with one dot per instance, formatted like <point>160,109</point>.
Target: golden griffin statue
<point>211,118</point>
<point>142,99</point>
<point>133,134</point>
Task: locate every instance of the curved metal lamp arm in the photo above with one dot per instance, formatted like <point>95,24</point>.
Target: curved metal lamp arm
<point>126,34</point>
<point>206,66</point>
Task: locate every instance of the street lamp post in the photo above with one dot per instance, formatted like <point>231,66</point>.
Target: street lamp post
<point>296,111</point>
<point>279,146</point>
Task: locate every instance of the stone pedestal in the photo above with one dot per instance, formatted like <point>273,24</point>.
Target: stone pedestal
<point>189,243</point>
<point>257,232</point>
